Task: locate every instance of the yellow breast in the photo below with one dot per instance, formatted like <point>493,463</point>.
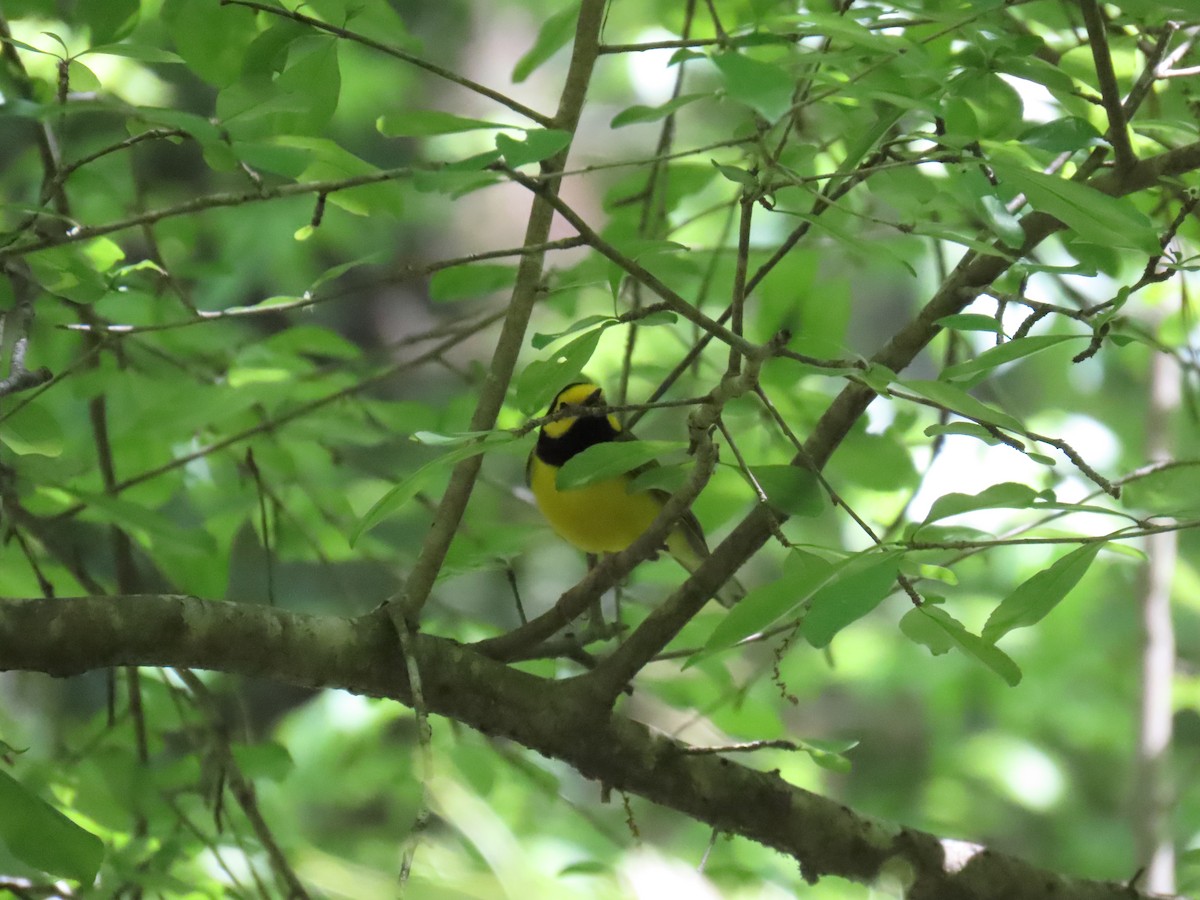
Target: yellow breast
<point>598,518</point>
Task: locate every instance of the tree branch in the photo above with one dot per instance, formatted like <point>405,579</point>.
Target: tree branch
<point>1118,132</point>
<point>71,636</point>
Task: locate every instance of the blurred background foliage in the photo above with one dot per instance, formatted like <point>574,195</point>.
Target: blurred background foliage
<point>260,372</point>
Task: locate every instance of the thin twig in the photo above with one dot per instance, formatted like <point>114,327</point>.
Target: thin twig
<point>397,53</point>
<point>200,204</point>
<point>1118,131</point>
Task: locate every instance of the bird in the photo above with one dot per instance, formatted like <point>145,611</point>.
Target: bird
<point>604,517</point>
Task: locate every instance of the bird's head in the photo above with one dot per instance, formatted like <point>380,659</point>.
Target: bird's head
<point>585,396</point>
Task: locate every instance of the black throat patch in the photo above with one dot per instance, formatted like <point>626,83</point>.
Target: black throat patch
<point>587,430</point>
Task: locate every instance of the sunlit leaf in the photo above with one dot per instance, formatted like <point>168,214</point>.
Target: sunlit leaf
<point>539,144</point>
<point>955,399</point>
<point>41,837</point>
<point>543,378</point>
<point>971,322</point>
<point>765,605</point>
<point>971,644</point>
<point>1011,495</point>
<point>849,597</point>
<point>428,122</point>
<point>1004,353</point>
<point>1172,490</point>
<point>639,113</point>
<point>32,429</point>
<point>763,87</point>
<point>610,459</point>
<point>541,341</point>
<point>554,34</point>
<point>1036,597</point>
<point>1094,216</point>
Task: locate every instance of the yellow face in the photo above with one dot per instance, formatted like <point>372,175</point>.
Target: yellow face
<point>583,394</point>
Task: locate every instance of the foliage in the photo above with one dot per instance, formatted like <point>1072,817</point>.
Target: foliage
<point>268,275</point>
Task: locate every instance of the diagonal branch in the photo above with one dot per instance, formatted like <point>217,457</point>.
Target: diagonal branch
<point>512,334</point>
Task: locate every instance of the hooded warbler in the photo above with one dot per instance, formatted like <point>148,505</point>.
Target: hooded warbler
<point>604,517</point>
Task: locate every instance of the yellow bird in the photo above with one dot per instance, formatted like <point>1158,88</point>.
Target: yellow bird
<point>604,517</point>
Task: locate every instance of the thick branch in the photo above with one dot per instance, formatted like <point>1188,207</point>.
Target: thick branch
<point>67,637</point>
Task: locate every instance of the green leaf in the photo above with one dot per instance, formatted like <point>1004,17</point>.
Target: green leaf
<point>764,87</point>
<point>971,322</point>
<point>551,37</point>
<point>737,175</point>
<point>877,377</point>
<point>879,462</point>
<point>371,259</point>
<point>267,156</point>
<point>42,837</point>
<point>471,282</point>
<point>32,430</point>
<point>1004,353</point>
<point>659,317</point>
<point>639,113</point>
<point>1009,495</point>
<point>1034,598</point>
<point>539,144</point>
<point>140,52</point>
<point>850,596</point>
<point>542,340</point>
<point>1094,216</point>
<point>1064,135</point>
<point>601,462</point>
<point>271,761</point>
<point>828,754</point>
<point>69,271</point>
<point>651,252</point>
<point>400,495</point>
<point>199,127</point>
<point>587,867</point>
<point>922,629</point>
<point>1004,224</point>
<point>667,477</point>
<point>959,401</point>
<point>968,429</point>
<point>333,163</point>
<point>1174,490</point>
<point>434,439</point>
<point>973,645</point>
<point>791,489</point>
<point>428,122</point>
<point>543,378</point>
<point>110,20</point>
<point>212,45</point>
<point>767,604</point>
